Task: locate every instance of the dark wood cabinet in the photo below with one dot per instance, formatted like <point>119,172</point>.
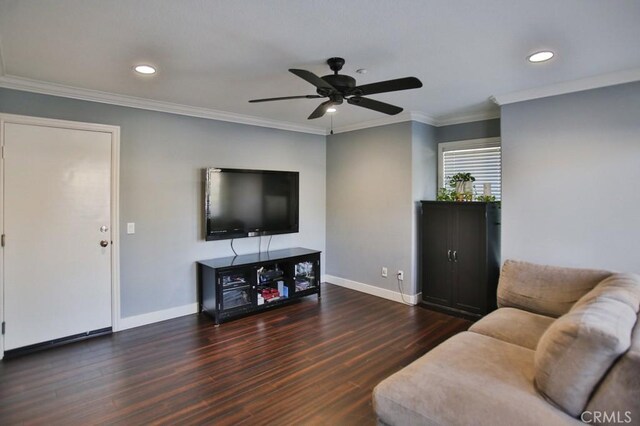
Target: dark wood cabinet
<point>232,287</point>
<point>460,256</point>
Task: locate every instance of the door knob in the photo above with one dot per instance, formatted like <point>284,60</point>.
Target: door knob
<point>104,228</point>
<point>104,243</point>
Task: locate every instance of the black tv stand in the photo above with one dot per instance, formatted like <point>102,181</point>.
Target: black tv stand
<point>232,287</point>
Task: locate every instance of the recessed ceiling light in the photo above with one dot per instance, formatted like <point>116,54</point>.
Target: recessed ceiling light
<point>331,109</point>
<point>543,56</point>
<point>145,69</point>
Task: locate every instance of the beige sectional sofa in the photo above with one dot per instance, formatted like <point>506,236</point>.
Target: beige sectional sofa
<point>564,346</point>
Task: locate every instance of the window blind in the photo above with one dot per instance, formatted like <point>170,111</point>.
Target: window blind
<point>483,162</point>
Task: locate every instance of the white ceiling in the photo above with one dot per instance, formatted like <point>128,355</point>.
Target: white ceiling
<point>216,55</point>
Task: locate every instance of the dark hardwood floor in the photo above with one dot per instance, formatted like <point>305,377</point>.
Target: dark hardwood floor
<point>313,362</point>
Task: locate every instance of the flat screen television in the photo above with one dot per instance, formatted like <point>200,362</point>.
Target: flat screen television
<point>249,203</point>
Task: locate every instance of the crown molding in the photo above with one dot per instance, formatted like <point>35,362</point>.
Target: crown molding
<point>392,119</point>
<point>28,85</point>
<point>35,86</point>
<point>399,118</point>
<point>421,117</point>
<point>449,120</point>
<point>603,80</point>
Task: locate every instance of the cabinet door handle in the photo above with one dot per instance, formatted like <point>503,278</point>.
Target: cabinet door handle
<point>455,255</point>
<point>449,255</point>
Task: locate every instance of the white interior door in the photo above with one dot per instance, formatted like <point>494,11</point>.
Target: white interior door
<point>57,196</point>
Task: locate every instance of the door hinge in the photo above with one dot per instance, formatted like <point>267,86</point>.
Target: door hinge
<point>2,241</point>
<point>2,151</point>
<point>3,327</point>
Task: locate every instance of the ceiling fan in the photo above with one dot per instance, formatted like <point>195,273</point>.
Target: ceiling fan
<point>340,87</point>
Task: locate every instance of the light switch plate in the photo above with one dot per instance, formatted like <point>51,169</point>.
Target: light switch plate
<point>131,228</point>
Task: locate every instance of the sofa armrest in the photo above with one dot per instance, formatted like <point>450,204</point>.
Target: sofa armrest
<point>543,289</point>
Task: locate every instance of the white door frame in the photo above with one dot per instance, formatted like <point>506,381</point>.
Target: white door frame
<point>115,202</point>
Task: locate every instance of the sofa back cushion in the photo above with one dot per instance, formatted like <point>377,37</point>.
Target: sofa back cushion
<point>619,393</point>
<point>624,288</point>
<point>578,349</point>
<point>543,289</point>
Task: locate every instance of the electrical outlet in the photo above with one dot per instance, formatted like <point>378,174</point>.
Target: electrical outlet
<point>384,271</point>
<point>401,275</point>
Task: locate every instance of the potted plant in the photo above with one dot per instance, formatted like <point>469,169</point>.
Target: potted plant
<point>446,195</point>
<point>462,184</point>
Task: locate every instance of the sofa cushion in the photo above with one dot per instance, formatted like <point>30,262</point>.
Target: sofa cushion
<point>468,379</point>
<point>576,351</point>
<point>515,326</point>
<point>542,289</point>
<point>624,288</point>
<point>619,392</point>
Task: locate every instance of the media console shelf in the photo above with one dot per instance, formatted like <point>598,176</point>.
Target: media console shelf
<point>231,287</point>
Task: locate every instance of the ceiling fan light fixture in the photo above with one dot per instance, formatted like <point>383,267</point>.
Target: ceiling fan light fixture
<point>144,69</point>
<point>541,56</point>
<point>340,87</point>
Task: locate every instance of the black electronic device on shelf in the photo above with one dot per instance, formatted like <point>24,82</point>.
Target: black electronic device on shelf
<point>236,286</point>
<point>265,274</point>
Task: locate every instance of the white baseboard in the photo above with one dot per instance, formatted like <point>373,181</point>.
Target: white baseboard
<point>157,316</point>
<point>192,308</point>
<point>372,290</point>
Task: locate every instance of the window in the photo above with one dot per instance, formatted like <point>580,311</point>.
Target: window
<point>480,157</point>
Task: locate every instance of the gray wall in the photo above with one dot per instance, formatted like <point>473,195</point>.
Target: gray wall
<point>162,156</point>
<point>571,176</point>
<point>424,184</point>
<point>424,161</point>
<point>374,177</point>
<point>473,130</point>
<point>369,206</point>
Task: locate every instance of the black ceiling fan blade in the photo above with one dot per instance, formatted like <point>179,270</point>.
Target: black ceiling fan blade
<point>286,97</point>
<point>313,79</point>
<point>374,105</point>
<point>321,110</point>
<point>388,86</point>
